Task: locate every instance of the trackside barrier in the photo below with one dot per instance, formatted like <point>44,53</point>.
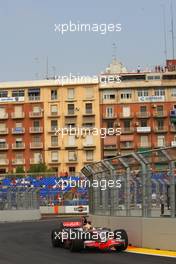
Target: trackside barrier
<point>60,210</point>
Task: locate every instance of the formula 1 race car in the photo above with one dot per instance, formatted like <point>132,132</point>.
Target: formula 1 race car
<point>72,235</point>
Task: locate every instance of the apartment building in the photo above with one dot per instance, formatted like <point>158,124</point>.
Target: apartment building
<point>143,106</point>
<point>30,114</point>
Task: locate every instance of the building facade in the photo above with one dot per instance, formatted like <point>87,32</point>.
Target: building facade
<point>32,116</point>
<point>143,106</point>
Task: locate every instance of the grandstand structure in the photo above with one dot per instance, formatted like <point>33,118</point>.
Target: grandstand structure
<point>143,192</point>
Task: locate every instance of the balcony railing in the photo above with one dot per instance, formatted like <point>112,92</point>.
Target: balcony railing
<point>143,129</point>
<point>127,146</point>
<point>36,130</point>
<point>127,130</point>
<point>53,114</point>
<point>106,116</point>
<point>36,161</point>
<point>173,143</point>
<point>122,116</point>
<point>173,129</point>
<point>143,114</point>
<point>18,130</point>
<point>18,115</point>
<point>87,145</point>
<point>4,146</point>
<point>4,116</point>
<point>160,114</point>
<point>19,145</point>
<point>4,131</point>
<point>160,129</point>
<point>4,161</point>
<point>36,145</point>
<point>35,114</point>
<point>34,98</point>
<point>18,161</point>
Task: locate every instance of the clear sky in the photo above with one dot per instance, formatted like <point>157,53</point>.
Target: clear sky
<point>27,36</point>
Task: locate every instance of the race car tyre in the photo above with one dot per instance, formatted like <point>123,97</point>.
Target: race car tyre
<point>77,244</point>
<point>121,234</point>
<point>55,239</point>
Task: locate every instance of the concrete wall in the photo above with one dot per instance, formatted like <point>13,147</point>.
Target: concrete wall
<point>19,215</point>
<point>157,233</point>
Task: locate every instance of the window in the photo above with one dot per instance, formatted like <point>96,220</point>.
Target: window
<point>72,170</point>
<point>109,95</point>
<point>89,155</point>
<point>159,92</point>
<point>109,111</point>
<point>89,92</point>
<point>19,156</point>
<point>89,140</point>
<point>153,77</point>
<point>127,123</point>
<point>34,94</point>
<point>161,141</point>
<point>88,108</point>
<point>3,93</point>
<point>2,127</point>
<point>160,124</point>
<point>143,109</point>
<point>173,92</point>
<point>126,94</point>
<point>160,109</point>
<point>54,95</point>
<point>70,93</point>
<point>54,141</point>
<point>18,110</point>
<point>110,124</point>
<point>72,156</point>
<point>2,143</point>
<point>36,139</point>
<point>19,142</point>
<point>71,140</point>
<point>36,109</point>
<point>144,141</point>
<point>18,93</point>
<point>2,112</point>
<point>126,111</point>
<point>71,109</point>
<point>37,157</point>
<point>142,92</point>
<point>54,125</point>
<point>3,156</point>
<point>54,110</point>
<point>54,156</point>
<point>143,123</point>
<point>36,123</point>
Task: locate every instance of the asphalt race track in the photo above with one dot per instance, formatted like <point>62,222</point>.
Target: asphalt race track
<point>29,243</point>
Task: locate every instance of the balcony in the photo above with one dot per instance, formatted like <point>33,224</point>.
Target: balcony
<point>4,131</point>
<point>4,116</point>
<point>88,146</point>
<point>35,130</point>
<point>127,130</point>
<point>54,146</point>
<point>89,113</point>
<point>4,162</point>
<point>53,114</point>
<point>72,160</point>
<point>34,114</point>
<point>18,130</point>
<point>173,143</point>
<point>113,116</point>
<point>110,147</point>
<point>130,116</point>
<point>142,114</point>
<point>4,146</point>
<point>34,98</point>
<point>160,114</point>
<point>19,115</point>
<point>56,161</point>
<point>160,129</point>
<point>36,161</point>
<point>36,145</point>
<point>143,129</point>
<point>127,146</point>
<point>71,113</point>
<point>18,161</point>
<point>71,147</point>
<point>18,145</point>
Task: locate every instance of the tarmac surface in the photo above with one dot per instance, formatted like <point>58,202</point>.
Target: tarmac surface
<point>29,243</point>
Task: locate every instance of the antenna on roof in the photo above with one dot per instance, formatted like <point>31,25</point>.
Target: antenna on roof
<point>114,51</point>
<point>47,67</point>
<point>164,28</point>
<point>172,31</point>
